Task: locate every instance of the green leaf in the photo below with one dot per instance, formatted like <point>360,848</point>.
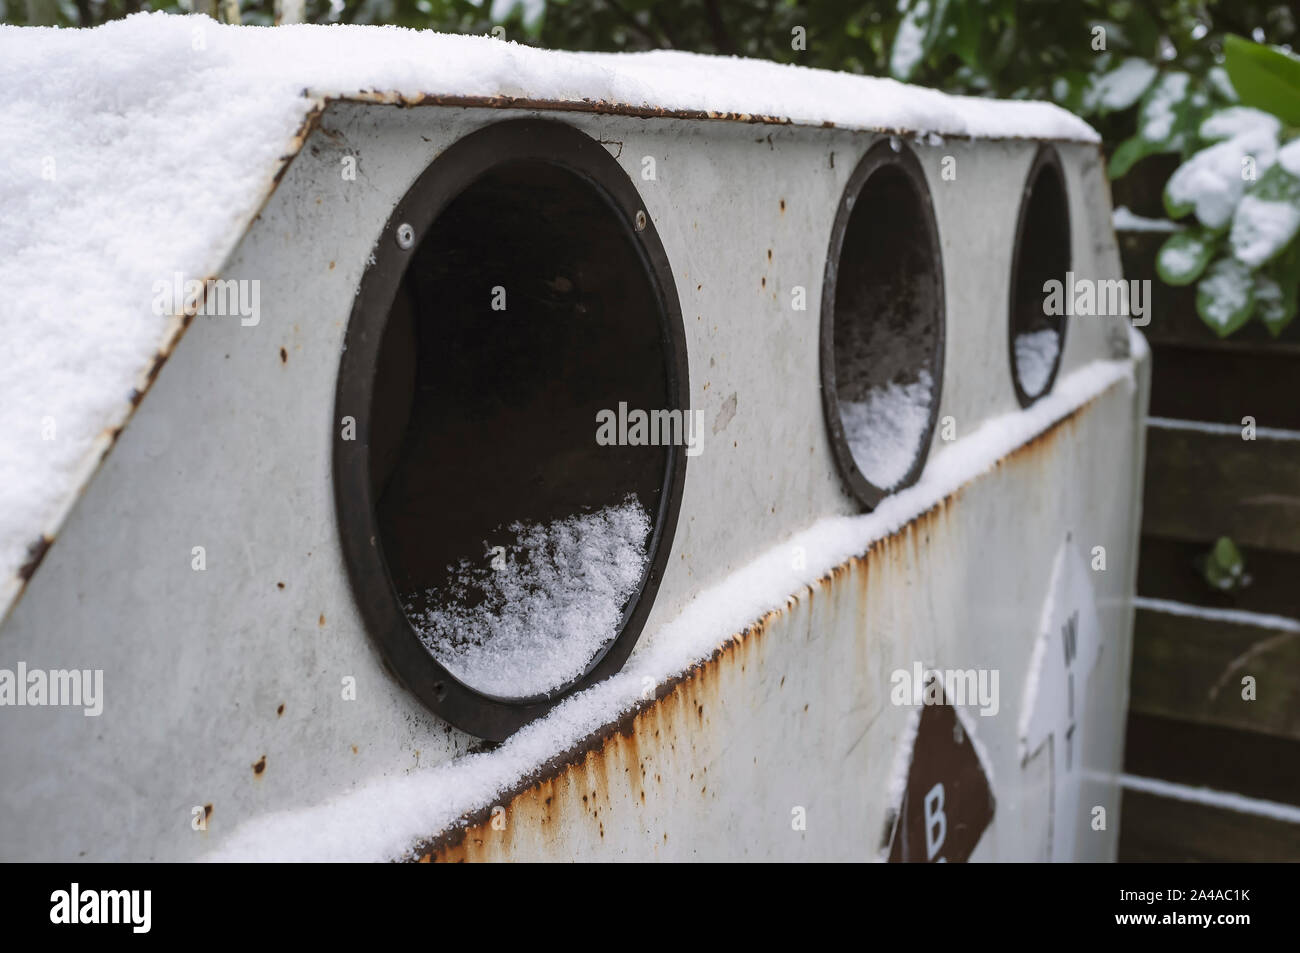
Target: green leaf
<point>1184,255</point>
<point>1226,554</point>
<point>1277,290</point>
<point>1127,153</point>
<point>969,24</point>
<point>921,24</point>
<point>1072,90</point>
<point>1264,77</point>
<point>1143,32</point>
<point>1223,567</point>
<point>1225,296</point>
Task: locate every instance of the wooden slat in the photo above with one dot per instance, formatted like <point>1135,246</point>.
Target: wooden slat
<point>1175,323</point>
<point>1167,569</point>
<point>1264,767</point>
<point>1195,384</point>
<point>1200,486</point>
<point>1154,828</point>
<point>1188,668</point>
<point>1141,189</point>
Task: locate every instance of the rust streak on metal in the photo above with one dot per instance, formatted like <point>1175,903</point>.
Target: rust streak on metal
<point>580,780</point>
<point>35,553</point>
<point>309,125</point>
<point>637,742</point>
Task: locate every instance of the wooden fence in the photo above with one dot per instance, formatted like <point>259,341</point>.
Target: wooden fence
<point>1210,774</point>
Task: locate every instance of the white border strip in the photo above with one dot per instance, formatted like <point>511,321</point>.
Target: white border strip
<point>1237,616</point>
<point>1287,813</point>
<point>1225,430</point>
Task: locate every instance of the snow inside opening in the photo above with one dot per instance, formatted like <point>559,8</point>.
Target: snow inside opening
<point>1042,254</point>
<point>1036,354</point>
<point>888,309</point>
<point>483,448</point>
<point>885,430</point>
<point>529,620</point>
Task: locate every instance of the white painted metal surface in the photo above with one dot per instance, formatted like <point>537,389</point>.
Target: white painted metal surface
<point>231,451</point>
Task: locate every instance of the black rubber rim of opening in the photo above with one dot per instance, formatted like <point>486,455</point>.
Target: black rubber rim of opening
<point>1046,162</point>
<point>487,716</point>
<point>897,156</point>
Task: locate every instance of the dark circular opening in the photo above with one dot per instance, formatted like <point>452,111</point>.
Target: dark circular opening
<point>882,325</point>
<point>1042,254</point>
<point>506,342</point>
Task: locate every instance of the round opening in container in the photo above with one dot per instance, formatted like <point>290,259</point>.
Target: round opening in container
<point>882,327</point>
<point>515,366</point>
<point>1042,254</point>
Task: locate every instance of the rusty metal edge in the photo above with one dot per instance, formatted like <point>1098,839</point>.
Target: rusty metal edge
<point>435,848</point>
<point>608,108</point>
<point>14,587</point>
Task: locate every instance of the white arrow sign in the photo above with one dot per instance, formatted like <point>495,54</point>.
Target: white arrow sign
<point>1067,649</point>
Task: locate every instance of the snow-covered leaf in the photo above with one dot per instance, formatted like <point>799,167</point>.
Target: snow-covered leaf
<point>1225,296</point>
<point>1235,120</point>
<point>1274,303</point>
<point>1288,157</point>
<point>1167,119</point>
<point>1267,218</point>
<point>1213,180</point>
<point>1218,82</point>
<point>1277,289</point>
<point>1123,86</point>
<point>1166,116</point>
<point>1183,256</point>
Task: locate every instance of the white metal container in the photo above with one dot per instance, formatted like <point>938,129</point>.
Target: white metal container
<point>246,702</point>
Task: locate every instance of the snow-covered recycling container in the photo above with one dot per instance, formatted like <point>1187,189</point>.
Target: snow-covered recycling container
<point>431,447</point>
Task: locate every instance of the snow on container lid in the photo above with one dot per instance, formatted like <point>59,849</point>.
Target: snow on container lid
<point>142,149</point>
